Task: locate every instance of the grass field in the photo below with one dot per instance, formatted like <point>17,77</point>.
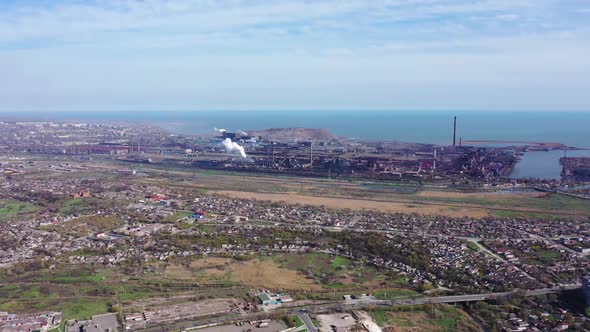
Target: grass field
<point>78,291</point>
<point>255,272</point>
<point>299,272</point>
<point>336,272</point>
<point>425,318</point>
<point>11,208</point>
<point>47,290</point>
<point>74,206</point>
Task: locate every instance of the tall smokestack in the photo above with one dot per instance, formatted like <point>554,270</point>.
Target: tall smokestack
<point>455,131</point>
<point>311,153</point>
<point>434,160</point>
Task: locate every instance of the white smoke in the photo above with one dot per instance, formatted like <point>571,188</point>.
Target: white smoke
<point>243,133</point>
<point>232,147</point>
<point>220,130</point>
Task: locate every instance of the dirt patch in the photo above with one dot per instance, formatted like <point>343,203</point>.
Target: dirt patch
<point>345,279</point>
<point>177,271</point>
<point>217,273</point>
<point>268,274</point>
<point>360,204</point>
<point>210,263</point>
<point>421,321</point>
<point>410,322</point>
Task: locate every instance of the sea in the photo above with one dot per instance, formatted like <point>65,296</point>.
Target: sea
<point>433,127</point>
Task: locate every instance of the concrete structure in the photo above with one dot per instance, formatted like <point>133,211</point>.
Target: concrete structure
<point>271,301</point>
<point>98,323</point>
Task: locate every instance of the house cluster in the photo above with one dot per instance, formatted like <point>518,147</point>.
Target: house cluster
<point>41,322</point>
<point>452,265</point>
<point>74,137</point>
<point>534,315</point>
<point>542,258</point>
<point>152,231</point>
<point>487,228</point>
<point>580,244</point>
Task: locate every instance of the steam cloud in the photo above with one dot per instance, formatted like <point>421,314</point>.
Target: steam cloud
<point>232,147</point>
<point>220,130</point>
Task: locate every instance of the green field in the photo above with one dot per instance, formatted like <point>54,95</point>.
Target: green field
<point>11,208</point>
<point>337,272</point>
<point>425,317</point>
<point>74,206</point>
<point>547,204</point>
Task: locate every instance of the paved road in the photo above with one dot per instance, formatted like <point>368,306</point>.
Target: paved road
<point>307,321</point>
<point>478,297</point>
<point>342,306</point>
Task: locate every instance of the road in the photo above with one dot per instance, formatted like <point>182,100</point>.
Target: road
<point>489,252</point>
<point>547,238</point>
<point>477,297</point>
<point>303,311</point>
<point>307,321</point>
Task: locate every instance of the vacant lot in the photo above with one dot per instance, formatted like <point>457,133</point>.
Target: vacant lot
<point>440,318</point>
<point>267,274</point>
<point>252,273</point>
<point>340,273</point>
<point>340,320</point>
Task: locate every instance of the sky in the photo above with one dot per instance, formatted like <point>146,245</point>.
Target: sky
<point>148,55</point>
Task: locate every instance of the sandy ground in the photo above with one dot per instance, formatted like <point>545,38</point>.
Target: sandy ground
<point>177,271</point>
<point>360,204</point>
<point>326,321</point>
<point>210,263</point>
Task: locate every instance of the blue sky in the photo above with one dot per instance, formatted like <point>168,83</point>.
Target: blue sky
<point>312,55</point>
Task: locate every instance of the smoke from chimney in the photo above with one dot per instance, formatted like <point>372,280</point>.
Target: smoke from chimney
<point>232,147</point>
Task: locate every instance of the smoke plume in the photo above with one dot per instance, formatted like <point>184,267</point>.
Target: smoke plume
<point>232,147</point>
<point>220,130</point>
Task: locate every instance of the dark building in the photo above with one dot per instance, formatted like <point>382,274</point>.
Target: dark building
<point>586,289</point>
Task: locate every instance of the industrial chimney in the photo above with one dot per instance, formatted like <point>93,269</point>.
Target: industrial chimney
<point>455,131</point>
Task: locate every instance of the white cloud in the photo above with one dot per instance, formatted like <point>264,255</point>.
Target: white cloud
<point>507,17</point>
<point>187,54</point>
